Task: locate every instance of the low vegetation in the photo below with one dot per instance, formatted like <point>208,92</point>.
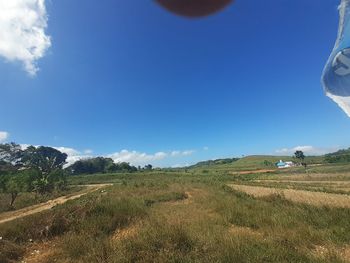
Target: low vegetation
<point>187,215</point>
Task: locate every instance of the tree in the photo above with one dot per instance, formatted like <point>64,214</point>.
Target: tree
<point>300,156</point>
<point>148,167</point>
<point>11,154</point>
<point>49,163</point>
<point>45,159</point>
<point>16,183</point>
<point>99,165</point>
<point>341,156</point>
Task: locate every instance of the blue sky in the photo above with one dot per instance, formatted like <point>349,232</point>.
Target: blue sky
<point>129,80</point>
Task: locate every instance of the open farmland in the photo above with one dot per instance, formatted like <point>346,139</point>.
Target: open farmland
<point>190,216</point>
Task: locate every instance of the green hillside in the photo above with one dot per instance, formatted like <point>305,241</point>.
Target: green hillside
<point>254,162</point>
<point>341,156</point>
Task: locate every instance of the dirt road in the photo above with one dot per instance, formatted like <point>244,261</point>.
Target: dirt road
<point>9,216</point>
<point>299,196</point>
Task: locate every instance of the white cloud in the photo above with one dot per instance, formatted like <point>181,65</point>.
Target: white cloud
<point>4,136</point>
<point>308,150</point>
<point>22,32</point>
<point>206,148</point>
<point>68,151</point>
<point>137,158</point>
<point>73,154</point>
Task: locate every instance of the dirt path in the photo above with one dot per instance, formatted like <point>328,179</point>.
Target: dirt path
<point>10,216</point>
<point>304,182</point>
<point>262,171</point>
<point>299,196</point>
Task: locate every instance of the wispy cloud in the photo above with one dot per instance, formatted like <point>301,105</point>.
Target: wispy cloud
<point>4,136</point>
<point>22,32</point>
<point>307,149</point>
<point>182,153</point>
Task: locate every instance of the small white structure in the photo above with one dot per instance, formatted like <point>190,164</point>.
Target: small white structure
<point>283,165</point>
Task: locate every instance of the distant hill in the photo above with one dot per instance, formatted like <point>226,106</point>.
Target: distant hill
<point>254,162</point>
<point>214,162</point>
<point>341,156</point>
<point>246,163</point>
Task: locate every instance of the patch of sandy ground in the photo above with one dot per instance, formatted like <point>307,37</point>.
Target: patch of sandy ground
<point>336,183</point>
<point>299,196</point>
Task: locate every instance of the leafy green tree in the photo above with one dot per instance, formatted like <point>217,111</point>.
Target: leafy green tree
<point>299,155</point>
<point>16,183</point>
<point>49,162</point>
<point>148,167</point>
<point>99,165</point>
<point>45,159</point>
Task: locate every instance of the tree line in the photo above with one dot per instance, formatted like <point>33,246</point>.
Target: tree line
<point>102,165</point>
<point>41,169</point>
<point>34,169</point>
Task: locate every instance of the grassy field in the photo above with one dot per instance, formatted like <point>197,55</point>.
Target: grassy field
<point>188,216</point>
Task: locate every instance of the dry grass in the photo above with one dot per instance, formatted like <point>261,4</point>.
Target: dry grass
<point>299,196</point>
<point>39,252</point>
<point>127,232</point>
<point>245,231</point>
<point>262,171</point>
<point>184,220</point>
<point>337,183</point>
<point>322,252</point>
<point>316,177</point>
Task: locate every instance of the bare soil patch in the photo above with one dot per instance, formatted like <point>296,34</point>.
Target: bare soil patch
<point>299,196</point>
